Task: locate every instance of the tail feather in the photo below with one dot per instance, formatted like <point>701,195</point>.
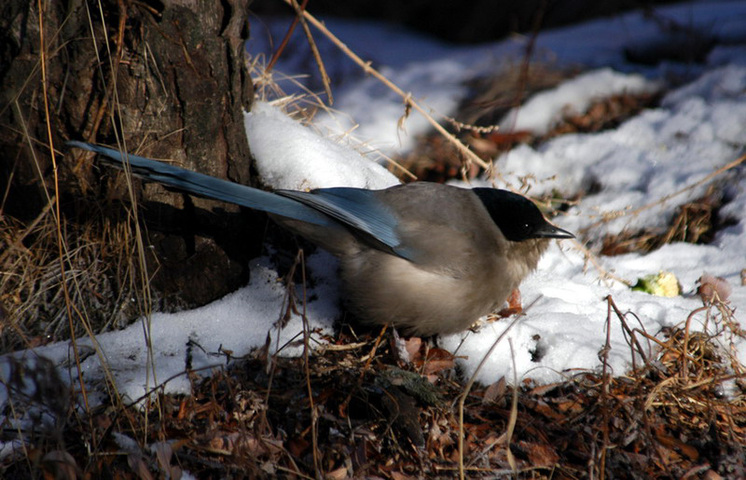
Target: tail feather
<point>207,186</point>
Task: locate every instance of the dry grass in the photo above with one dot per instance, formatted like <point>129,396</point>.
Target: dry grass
<point>98,274</point>
<point>357,410</point>
<point>696,221</point>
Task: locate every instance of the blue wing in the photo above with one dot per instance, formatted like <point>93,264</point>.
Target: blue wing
<point>359,209</point>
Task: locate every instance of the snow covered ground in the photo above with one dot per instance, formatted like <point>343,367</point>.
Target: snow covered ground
<point>699,128</point>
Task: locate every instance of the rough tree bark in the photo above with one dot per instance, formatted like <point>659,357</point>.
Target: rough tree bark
<point>165,79</point>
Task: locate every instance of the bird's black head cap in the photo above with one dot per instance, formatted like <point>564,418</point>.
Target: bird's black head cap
<point>517,216</point>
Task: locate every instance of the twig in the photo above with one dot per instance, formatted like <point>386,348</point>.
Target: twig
<point>685,346</point>
<point>621,213</point>
<point>467,389</point>
<point>628,331</point>
<point>285,40</point>
<point>307,369</point>
<point>373,350</point>
<point>510,428</point>
<point>592,258</point>
<point>604,396</point>
<point>409,102</point>
<point>299,11</point>
<point>62,247</point>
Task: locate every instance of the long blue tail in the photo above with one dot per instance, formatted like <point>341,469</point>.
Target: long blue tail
<point>207,186</point>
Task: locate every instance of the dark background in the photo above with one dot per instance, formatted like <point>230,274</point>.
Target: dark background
<point>467,21</point>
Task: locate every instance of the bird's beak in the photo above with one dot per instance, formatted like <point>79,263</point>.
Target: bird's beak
<point>550,231</point>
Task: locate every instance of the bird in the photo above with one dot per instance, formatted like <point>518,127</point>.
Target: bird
<point>427,258</point>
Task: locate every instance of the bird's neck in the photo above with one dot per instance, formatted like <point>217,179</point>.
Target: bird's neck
<point>528,253</point>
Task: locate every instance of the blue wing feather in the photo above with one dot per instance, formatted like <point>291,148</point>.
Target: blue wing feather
<point>357,208</point>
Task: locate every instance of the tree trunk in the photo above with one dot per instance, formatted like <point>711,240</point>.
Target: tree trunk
<point>161,79</point>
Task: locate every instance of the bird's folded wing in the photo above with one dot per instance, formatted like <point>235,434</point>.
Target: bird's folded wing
<point>359,209</point>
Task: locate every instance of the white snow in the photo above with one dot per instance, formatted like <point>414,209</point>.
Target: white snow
<point>573,97</point>
<point>435,73</point>
<point>698,128</point>
<point>291,157</point>
<point>236,323</point>
<point>657,153</point>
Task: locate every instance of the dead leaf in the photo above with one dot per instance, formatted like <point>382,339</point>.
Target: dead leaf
<point>713,289</point>
<point>338,474</point>
<point>540,454</point>
<point>60,465</point>
<point>494,391</point>
<point>139,467</point>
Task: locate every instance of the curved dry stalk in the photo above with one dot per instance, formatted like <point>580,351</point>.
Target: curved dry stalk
<point>467,389</point>
<point>62,247</point>
<point>593,259</point>
<point>622,213</point>
<point>299,11</point>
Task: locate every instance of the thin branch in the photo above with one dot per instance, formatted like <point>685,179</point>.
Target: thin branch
<point>299,11</point>
<point>467,389</point>
<point>409,102</point>
<point>621,213</point>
